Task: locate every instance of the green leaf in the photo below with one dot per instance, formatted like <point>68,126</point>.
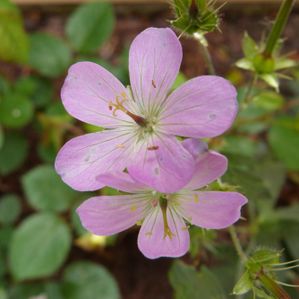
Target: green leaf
<point>13,153</point>
<point>271,80</point>
<point>245,64</point>
<point>284,63</point>
<point>49,55</point>
<point>284,141</point>
<point>10,208</point>
<point>3,294</point>
<point>14,41</point>
<point>1,137</point>
<point>240,145</point>
<point>90,26</point>
<point>5,236</point>
<point>89,281</point>
<point>188,284</point>
<point>259,178</point>
<point>249,46</point>
<point>291,238</point>
<point>268,100</point>
<point>38,89</point>
<point>15,110</point>
<point>39,246</point>
<point>4,86</point>
<point>201,239</point>
<point>49,290</point>
<point>243,286</point>
<point>45,191</point>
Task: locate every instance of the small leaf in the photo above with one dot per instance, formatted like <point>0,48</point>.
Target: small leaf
<point>49,55</point>
<point>271,80</point>
<point>39,246</point>
<point>249,46</point>
<point>89,281</point>
<point>284,63</point>
<point>13,153</point>
<point>90,26</point>
<point>10,208</point>
<point>15,111</point>
<point>245,64</point>
<point>243,286</point>
<point>45,191</point>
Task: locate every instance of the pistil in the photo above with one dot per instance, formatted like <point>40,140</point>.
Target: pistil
<point>167,230</point>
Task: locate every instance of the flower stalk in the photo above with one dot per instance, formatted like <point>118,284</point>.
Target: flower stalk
<point>278,27</point>
<point>203,46</point>
<point>237,244</point>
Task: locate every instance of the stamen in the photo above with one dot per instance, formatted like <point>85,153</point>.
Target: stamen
<point>153,148</point>
<point>196,198</point>
<point>154,84</point>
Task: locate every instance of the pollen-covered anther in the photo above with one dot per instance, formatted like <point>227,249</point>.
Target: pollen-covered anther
<point>196,198</point>
<point>133,208</point>
<point>153,148</point>
<point>121,145</point>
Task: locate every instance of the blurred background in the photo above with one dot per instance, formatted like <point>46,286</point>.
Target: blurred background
<point>44,251</point>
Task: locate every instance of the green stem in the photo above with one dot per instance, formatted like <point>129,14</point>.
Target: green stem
<point>237,244</point>
<point>203,46</point>
<point>279,24</point>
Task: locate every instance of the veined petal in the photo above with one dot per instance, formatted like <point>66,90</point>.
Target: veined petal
<point>209,167</point>
<point>154,61</point>
<point>163,164</point>
<point>211,209</point>
<point>154,243</point>
<point>205,106</point>
<point>195,147</point>
<point>108,215</point>
<point>122,181</point>
<point>83,158</point>
<point>87,94</point>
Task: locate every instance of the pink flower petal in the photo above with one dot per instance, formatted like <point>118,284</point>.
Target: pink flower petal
<point>83,158</point>
<point>195,147</point>
<point>209,167</point>
<point>121,181</point>
<point>211,209</point>
<point>163,164</point>
<point>154,62</point>
<point>152,241</point>
<point>87,91</point>
<point>108,215</point>
<point>205,106</point>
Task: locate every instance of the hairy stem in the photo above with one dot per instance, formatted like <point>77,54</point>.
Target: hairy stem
<point>237,244</point>
<point>278,27</point>
<point>203,46</point>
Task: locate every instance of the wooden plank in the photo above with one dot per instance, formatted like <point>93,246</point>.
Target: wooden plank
<point>65,2</point>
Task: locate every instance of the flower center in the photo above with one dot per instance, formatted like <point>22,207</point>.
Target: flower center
<point>119,105</point>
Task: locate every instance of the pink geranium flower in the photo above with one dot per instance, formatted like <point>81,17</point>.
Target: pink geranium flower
<point>141,122</point>
<point>163,216</point>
